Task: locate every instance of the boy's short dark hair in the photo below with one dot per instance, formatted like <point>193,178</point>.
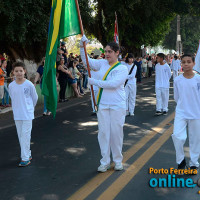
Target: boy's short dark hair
<point>19,64</point>
<point>161,55</point>
<point>188,55</point>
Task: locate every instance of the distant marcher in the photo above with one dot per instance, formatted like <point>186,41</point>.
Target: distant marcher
<point>163,75</point>
<point>24,99</point>
<point>176,67</point>
<point>150,67</point>
<point>130,85</point>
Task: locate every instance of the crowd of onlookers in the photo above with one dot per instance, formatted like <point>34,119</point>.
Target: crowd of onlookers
<point>5,79</point>
<point>70,71</point>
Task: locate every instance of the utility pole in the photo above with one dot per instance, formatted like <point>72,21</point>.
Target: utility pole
<point>178,40</point>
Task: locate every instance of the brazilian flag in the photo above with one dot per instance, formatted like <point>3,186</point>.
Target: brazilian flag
<point>63,23</point>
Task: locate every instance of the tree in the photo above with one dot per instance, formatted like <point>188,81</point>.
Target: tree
<point>140,21</point>
<point>23,30</point>
<point>24,23</point>
<point>190,34</point>
<point>24,27</point>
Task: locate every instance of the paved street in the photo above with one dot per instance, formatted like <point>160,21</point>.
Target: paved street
<point>66,155</point>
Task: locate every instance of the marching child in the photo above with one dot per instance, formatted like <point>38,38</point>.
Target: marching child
<point>163,75</point>
<point>130,85</point>
<point>187,118</point>
<point>176,67</point>
<point>24,98</point>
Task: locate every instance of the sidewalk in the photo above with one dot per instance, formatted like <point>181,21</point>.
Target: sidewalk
<point>6,115</point>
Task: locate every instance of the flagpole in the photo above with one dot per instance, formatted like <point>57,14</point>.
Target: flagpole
<point>117,24</point>
<point>84,46</point>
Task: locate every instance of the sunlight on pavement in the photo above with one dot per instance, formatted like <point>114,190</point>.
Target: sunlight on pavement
<point>66,122</point>
<point>90,123</point>
<point>130,126</point>
<point>75,151</point>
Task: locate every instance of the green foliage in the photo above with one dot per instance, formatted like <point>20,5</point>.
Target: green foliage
<point>190,34</point>
<point>23,27</point>
<point>24,23</point>
<point>140,21</point>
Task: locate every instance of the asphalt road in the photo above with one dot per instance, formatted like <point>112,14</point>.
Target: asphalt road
<point>66,155</point>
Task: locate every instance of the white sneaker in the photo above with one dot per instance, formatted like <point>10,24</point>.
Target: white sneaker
<point>131,114</point>
<point>103,168</point>
<point>118,167</point>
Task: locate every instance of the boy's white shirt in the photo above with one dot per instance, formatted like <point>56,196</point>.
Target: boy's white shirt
<point>187,96</point>
<point>24,99</point>
<point>163,75</point>
<point>113,95</point>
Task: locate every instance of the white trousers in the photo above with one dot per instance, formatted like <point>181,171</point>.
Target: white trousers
<point>130,97</point>
<point>162,98</point>
<point>175,74</point>
<point>24,128</point>
<point>179,137</point>
<point>110,136</point>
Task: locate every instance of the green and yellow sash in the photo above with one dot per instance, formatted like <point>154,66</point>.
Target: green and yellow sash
<point>104,78</point>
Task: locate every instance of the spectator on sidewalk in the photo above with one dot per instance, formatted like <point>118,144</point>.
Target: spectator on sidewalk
<point>24,98</point>
<point>138,63</point>
<point>65,52</point>
<point>59,55</point>
<point>2,78</point>
<point>63,76</point>
<point>144,67</point>
<point>75,74</point>
<point>5,100</point>
<point>38,77</point>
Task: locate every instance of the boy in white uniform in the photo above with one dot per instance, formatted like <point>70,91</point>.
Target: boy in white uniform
<point>112,104</point>
<point>24,99</point>
<point>187,97</point>
<point>163,75</point>
<point>130,85</point>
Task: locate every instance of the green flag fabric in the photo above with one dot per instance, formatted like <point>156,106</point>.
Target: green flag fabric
<point>69,22</point>
<point>63,23</point>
